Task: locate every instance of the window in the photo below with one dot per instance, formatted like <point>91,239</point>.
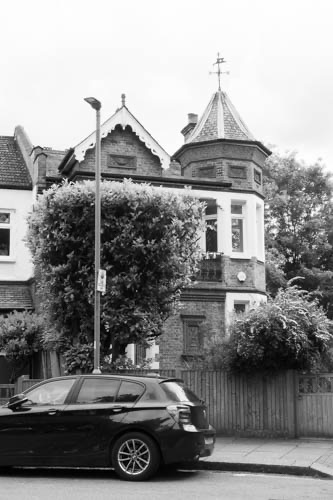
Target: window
<point>237,227</point>
<point>211,227</point>
<point>5,233</point>
<point>129,392</point>
<point>240,307</point>
<point>257,176</point>
<point>94,390</point>
<point>51,393</point>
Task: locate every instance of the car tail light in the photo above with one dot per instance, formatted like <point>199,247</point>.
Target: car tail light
<point>182,415</point>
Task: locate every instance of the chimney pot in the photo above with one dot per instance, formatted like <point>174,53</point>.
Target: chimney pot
<point>192,118</point>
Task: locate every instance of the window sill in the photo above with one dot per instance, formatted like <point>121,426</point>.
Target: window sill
<point>5,258</point>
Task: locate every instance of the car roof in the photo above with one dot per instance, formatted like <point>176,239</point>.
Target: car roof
<point>137,377</point>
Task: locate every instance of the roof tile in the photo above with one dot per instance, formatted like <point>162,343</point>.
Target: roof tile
<point>15,296</point>
<point>14,173</point>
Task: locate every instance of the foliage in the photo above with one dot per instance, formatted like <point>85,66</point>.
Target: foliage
<point>275,278</point>
<point>79,358</point>
<point>290,331</point>
<point>149,249</point>
<point>123,363</point>
<point>298,225</point>
<point>20,337</point>
<point>298,210</point>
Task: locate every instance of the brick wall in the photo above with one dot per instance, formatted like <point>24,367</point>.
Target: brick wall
<point>171,343</point>
<point>122,152</point>
<point>240,164</point>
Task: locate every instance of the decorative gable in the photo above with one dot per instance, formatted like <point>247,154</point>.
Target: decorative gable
<point>124,119</point>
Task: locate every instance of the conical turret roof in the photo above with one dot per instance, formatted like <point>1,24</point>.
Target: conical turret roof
<point>220,121</point>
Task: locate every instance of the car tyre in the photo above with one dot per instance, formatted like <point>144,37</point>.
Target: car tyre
<point>135,457</point>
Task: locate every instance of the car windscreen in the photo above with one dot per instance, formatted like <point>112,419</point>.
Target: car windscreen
<point>177,391</point>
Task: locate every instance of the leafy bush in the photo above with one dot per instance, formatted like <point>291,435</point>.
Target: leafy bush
<point>149,249</point>
<point>288,332</point>
<point>20,336</point>
<point>79,358</point>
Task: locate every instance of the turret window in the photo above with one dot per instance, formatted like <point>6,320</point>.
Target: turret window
<point>237,227</point>
<point>211,227</point>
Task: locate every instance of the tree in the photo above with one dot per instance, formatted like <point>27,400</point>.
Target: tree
<point>298,211</point>
<point>149,249</point>
<point>298,225</point>
<point>290,331</point>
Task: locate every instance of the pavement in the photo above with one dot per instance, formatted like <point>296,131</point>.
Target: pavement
<point>305,457</point>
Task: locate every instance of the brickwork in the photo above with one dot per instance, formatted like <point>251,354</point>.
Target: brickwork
<point>172,341</point>
<point>254,271</point>
<point>122,152</point>
<point>226,159</point>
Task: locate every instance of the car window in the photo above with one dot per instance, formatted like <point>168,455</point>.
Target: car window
<point>129,392</point>
<point>177,391</point>
<point>51,393</point>
<point>94,390</point>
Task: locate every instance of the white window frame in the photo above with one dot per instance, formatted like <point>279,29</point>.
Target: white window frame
<point>242,217</point>
<point>9,226</point>
<point>208,218</point>
<point>246,303</point>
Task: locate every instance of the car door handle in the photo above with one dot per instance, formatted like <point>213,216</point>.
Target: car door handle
<point>53,412</point>
<point>117,409</point>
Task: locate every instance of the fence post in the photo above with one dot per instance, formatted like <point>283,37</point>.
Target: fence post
<point>291,379</point>
<point>19,383</point>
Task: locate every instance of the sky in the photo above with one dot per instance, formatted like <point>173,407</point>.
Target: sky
<point>161,54</point>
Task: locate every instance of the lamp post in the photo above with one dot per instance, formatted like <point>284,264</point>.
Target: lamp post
<point>96,105</point>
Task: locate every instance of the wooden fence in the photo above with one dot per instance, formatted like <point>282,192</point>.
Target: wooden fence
<point>288,404</point>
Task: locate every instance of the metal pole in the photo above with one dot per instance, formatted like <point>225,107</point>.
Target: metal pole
<point>97,318</point>
<point>97,312</point>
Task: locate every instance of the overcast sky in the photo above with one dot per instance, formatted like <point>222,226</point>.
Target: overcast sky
<point>278,53</point>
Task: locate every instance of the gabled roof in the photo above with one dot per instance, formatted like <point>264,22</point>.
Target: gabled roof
<point>220,121</point>
<point>15,296</point>
<point>14,173</point>
<point>124,118</point>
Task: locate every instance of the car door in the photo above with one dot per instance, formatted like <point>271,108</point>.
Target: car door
<point>34,432</point>
<point>95,416</point>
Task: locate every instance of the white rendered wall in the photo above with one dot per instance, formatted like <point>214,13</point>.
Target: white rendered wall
<point>18,266</point>
<point>253,222</point>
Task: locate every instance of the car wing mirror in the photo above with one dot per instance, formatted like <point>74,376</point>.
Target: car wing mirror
<point>16,401</point>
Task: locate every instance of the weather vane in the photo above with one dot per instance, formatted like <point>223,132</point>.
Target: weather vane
<point>219,60</point>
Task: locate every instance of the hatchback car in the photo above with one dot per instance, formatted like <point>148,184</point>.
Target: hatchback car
<point>131,423</point>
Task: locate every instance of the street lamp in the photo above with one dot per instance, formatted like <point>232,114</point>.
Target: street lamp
<point>96,105</point>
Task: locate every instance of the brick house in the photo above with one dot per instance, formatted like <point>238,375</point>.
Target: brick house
<point>219,160</point>
<point>222,163</point>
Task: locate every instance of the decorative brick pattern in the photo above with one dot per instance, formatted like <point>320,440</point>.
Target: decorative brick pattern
<point>172,345</point>
<point>123,143</point>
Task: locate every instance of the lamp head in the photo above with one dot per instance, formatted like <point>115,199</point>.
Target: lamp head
<point>94,103</point>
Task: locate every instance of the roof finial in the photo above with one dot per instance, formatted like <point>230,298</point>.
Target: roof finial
<point>123,97</point>
<point>219,60</point>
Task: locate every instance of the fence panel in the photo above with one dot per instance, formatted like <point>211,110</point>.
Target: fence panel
<point>6,392</point>
<point>315,405</point>
<point>246,405</point>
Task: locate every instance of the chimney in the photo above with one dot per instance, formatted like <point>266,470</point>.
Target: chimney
<point>192,121</point>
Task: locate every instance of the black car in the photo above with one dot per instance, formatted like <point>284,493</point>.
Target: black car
<point>131,423</point>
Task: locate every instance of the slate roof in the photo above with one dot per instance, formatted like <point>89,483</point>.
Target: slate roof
<point>14,173</point>
<point>220,121</point>
<point>15,296</point>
